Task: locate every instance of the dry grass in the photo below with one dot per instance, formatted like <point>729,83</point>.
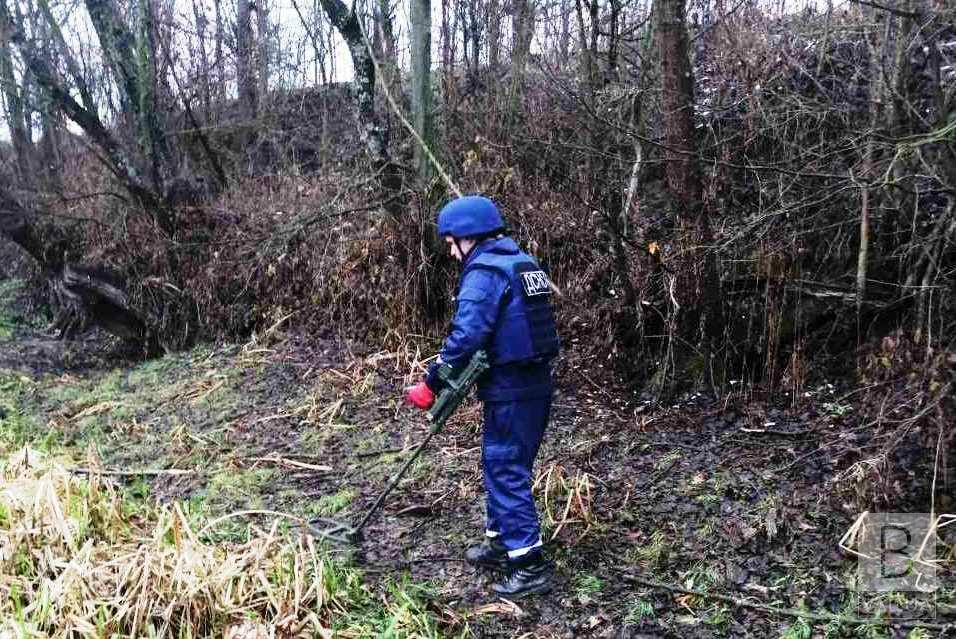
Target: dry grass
<point>76,562</point>
<point>567,499</point>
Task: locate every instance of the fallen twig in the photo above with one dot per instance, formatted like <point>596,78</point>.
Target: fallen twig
<point>271,417</point>
<point>282,461</point>
<point>381,451</point>
<point>781,433</point>
<point>788,612</point>
<point>415,510</point>
<point>145,471</point>
<point>797,461</point>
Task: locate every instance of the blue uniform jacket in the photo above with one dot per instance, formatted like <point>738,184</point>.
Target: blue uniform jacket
<point>480,297</point>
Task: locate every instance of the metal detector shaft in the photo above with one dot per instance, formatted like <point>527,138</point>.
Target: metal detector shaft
<point>397,478</point>
<point>455,391</point>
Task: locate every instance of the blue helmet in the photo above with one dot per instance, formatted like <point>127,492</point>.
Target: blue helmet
<point>469,216</point>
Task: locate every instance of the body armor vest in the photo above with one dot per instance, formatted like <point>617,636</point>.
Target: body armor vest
<point>526,329</point>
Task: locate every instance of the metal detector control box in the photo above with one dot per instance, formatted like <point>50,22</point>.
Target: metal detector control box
<point>456,388</point>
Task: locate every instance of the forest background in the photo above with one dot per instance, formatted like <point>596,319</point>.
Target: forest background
<point>729,195</point>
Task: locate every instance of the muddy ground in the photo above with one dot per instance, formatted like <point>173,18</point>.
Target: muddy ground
<point>645,506</point>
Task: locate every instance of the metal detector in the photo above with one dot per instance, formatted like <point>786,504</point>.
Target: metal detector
<point>449,399</point>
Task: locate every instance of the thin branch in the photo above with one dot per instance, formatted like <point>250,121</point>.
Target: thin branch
<point>822,617</point>
<point>876,5</point>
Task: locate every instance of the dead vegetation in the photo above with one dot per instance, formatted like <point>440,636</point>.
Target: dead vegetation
<point>731,509</point>
<point>80,560</point>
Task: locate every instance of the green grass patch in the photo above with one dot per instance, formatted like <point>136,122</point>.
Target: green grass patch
<point>332,504</point>
<point>653,554</point>
<point>586,587</point>
<point>231,485</point>
<point>18,425</point>
<point>156,372</point>
<point>178,411</point>
<point>638,611</point>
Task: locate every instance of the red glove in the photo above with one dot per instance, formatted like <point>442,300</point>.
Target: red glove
<point>420,396</point>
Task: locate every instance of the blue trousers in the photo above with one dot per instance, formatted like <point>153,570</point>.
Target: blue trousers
<point>511,436</point>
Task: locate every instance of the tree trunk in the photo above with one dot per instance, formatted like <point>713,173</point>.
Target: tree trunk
<point>374,133</point>
<point>265,49</point>
<point>117,44</point>
<point>16,225</point>
<point>523,29</point>
<point>205,86</point>
<point>680,155</point>
<point>245,78</point>
<point>700,308</point>
<point>385,48</point>
<point>494,33</point>
<point>220,61</point>
<point>85,294</point>
<point>446,40</point>
<point>588,44</point>
<point>153,137</point>
<point>474,18</point>
<point>564,40</point>
<point>131,61</point>
<point>13,108</point>
<point>421,81</point>
<point>461,18</point>
<point>49,151</point>
<point>612,40</point>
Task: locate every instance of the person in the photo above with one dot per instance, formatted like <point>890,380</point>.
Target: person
<point>504,307</point>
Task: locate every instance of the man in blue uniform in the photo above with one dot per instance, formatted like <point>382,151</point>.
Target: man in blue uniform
<point>503,307</point>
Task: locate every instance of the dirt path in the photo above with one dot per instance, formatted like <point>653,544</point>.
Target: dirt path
<point>735,499</point>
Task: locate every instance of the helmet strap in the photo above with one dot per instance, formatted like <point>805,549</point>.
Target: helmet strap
<point>460,252</point>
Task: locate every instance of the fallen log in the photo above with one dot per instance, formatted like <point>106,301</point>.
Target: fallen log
<point>86,295</point>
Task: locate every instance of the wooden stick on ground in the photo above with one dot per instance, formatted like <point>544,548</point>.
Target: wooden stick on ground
<point>283,461</point>
<point>132,473</point>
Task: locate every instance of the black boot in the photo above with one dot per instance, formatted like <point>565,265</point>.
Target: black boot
<point>529,575</point>
<point>491,552</point>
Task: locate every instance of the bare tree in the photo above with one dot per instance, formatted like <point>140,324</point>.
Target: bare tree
<point>475,26</point>
<point>245,77</point>
<point>76,73</point>
<point>117,159</point>
<point>613,36</point>
<point>384,46</point>
<point>494,33</point>
<point>421,81</point>
<point>264,49</point>
<point>131,62</point>
<point>588,41</point>
<point>374,133</point>
<point>523,31</point>
<point>205,69</point>
<point>564,37</point>
<point>684,182</point>
<point>220,61</point>
<point>14,112</point>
